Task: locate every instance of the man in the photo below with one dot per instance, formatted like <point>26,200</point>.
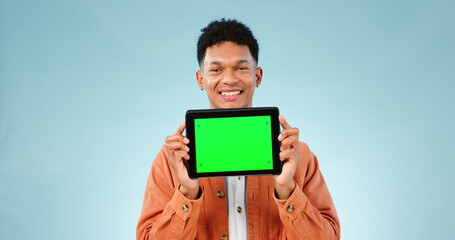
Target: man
<point>293,205</point>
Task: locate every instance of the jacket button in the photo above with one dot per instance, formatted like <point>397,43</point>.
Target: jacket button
<point>224,237</point>
<point>239,209</point>
<point>290,208</point>
<point>185,208</point>
<point>220,194</point>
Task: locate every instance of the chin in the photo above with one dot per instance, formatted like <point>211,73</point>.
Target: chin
<point>235,105</point>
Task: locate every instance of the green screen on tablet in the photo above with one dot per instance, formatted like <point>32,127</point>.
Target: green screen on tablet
<point>232,142</point>
<point>246,144</point>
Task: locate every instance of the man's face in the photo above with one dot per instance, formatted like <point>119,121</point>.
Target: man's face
<point>229,74</point>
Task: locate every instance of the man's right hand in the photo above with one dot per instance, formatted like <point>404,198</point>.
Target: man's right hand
<point>177,152</point>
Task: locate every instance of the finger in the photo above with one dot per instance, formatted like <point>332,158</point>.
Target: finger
<point>283,122</point>
<point>175,146</point>
<point>181,155</point>
<point>186,156</point>
<point>177,138</point>
<point>289,142</point>
<point>284,155</point>
<point>175,158</point>
<point>180,129</point>
<point>288,155</point>
<point>288,132</point>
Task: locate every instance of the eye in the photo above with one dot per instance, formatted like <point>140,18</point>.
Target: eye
<point>215,70</point>
<point>242,68</point>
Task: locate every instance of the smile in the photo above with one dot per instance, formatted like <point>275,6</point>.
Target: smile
<point>230,93</point>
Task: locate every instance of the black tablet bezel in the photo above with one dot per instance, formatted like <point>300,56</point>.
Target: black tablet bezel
<point>273,112</point>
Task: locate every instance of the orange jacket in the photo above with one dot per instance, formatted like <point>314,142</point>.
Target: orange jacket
<point>309,212</point>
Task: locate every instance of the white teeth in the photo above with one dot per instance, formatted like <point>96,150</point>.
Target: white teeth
<point>230,93</point>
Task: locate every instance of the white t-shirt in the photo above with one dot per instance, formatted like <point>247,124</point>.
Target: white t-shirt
<point>236,205</point>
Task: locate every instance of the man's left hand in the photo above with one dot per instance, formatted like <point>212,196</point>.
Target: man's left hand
<point>290,156</point>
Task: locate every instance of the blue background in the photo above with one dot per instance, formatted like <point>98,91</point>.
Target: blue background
<point>90,89</point>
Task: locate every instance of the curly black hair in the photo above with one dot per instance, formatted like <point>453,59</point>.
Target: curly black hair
<point>226,30</point>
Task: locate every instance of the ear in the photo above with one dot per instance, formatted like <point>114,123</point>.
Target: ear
<point>199,79</point>
<point>258,76</point>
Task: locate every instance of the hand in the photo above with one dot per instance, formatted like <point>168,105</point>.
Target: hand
<point>290,156</point>
<point>177,152</point>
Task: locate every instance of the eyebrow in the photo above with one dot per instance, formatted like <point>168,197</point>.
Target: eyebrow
<point>215,63</point>
<point>219,62</point>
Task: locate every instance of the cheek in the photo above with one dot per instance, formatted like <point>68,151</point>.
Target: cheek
<point>211,88</point>
<point>210,82</point>
<point>250,84</point>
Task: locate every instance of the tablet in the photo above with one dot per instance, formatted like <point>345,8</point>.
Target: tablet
<point>233,142</point>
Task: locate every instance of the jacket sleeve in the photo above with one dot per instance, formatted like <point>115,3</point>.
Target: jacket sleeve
<point>309,213</point>
<point>166,212</point>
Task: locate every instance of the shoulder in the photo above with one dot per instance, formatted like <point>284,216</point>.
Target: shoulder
<point>161,169</point>
<point>308,162</point>
<point>305,154</point>
<point>161,158</point>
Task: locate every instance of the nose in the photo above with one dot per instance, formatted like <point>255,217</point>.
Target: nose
<point>229,77</point>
